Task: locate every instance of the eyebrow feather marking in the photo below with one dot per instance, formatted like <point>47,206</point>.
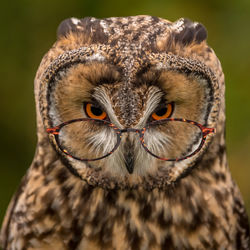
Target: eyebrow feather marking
<point>102,97</point>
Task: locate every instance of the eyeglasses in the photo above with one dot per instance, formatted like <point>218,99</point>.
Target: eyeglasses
<point>171,139</point>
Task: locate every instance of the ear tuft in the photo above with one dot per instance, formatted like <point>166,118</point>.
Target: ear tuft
<point>186,32</point>
<point>69,25</point>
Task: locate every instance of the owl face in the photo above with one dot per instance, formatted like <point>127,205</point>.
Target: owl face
<point>130,89</point>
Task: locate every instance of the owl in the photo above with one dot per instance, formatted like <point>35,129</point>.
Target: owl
<point>131,147</point>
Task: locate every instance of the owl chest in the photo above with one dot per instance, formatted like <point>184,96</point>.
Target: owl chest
<point>84,217</point>
<point>126,220</point>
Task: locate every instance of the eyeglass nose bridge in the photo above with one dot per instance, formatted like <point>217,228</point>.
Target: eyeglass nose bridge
<point>130,130</point>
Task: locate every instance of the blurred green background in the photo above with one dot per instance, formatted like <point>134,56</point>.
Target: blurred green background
<point>28,29</point>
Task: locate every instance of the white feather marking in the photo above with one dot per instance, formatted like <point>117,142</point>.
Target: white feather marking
<point>53,114</point>
<point>195,24</point>
<point>104,26</point>
<point>178,26</point>
<point>75,21</point>
<point>154,97</point>
<point>96,57</point>
<point>103,142</point>
<point>101,95</point>
<point>157,142</point>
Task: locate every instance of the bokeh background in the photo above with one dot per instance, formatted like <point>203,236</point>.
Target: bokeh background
<point>27,31</point>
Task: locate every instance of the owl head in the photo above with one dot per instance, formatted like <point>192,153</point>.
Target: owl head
<point>129,101</point>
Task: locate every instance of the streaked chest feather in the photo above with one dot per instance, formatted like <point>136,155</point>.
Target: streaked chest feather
<point>77,216</point>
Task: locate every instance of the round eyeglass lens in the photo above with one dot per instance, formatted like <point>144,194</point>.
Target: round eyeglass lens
<point>87,140</point>
<point>172,139</point>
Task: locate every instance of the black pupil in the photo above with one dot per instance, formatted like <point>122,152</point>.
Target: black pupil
<point>96,111</point>
<point>161,112</point>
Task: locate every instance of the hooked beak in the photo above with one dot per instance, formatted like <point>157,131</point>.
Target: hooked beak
<point>129,155</point>
<point>129,162</point>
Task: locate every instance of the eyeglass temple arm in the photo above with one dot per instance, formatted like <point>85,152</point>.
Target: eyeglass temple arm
<point>207,131</point>
<point>54,131</point>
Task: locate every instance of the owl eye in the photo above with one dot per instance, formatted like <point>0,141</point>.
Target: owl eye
<point>94,112</point>
<point>164,112</point>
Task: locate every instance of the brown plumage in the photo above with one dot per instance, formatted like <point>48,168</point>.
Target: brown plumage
<point>128,68</point>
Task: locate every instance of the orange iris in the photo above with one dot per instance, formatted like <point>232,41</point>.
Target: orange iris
<point>95,112</point>
<point>163,113</point>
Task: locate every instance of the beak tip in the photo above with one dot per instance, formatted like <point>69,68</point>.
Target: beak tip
<point>129,159</point>
<point>130,166</point>
<point>130,170</point>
